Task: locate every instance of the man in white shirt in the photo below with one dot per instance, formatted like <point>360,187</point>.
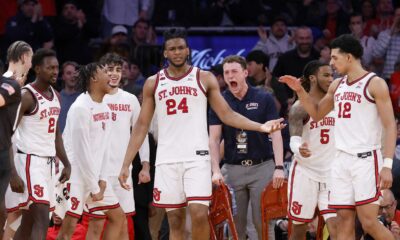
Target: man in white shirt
<point>86,140</point>
<point>125,110</point>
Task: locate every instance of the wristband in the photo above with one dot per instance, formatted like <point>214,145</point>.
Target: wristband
<point>387,163</point>
<point>295,143</point>
<point>280,167</point>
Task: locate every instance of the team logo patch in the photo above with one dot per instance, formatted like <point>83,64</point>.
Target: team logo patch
<point>252,106</point>
<point>8,88</point>
<point>156,194</point>
<point>296,208</point>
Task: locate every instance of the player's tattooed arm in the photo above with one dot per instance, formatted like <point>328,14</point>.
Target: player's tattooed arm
<point>297,115</point>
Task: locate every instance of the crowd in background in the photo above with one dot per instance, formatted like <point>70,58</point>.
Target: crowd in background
<point>83,31</point>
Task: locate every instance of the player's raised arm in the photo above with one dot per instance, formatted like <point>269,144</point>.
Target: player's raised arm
<point>140,130</point>
<point>316,110</point>
<point>230,117</point>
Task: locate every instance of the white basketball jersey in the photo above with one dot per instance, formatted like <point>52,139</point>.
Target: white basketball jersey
<point>320,139</point>
<point>125,109</point>
<point>358,125</point>
<point>36,132</point>
<point>181,110</point>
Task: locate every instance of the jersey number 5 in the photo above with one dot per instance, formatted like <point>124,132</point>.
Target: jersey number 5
<point>324,136</point>
<point>172,109</point>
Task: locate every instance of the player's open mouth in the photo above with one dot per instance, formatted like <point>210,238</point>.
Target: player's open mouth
<point>233,84</point>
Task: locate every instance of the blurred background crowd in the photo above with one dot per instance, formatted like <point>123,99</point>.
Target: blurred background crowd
<point>276,37</point>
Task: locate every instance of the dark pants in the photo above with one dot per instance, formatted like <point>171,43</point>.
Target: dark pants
<point>4,173</point>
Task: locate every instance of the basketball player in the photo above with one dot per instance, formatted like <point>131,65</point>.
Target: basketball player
<point>38,142</point>
<point>313,146</point>
<point>86,137</point>
<point>362,108</point>
<point>179,95</point>
<point>125,110</point>
<point>19,57</point>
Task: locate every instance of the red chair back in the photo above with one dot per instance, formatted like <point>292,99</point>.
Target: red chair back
<point>221,212</point>
<point>274,203</point>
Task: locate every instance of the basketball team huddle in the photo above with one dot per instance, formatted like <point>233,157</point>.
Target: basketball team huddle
<point>336,126</point>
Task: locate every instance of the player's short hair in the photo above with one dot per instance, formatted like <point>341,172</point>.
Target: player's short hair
<point>235,58</point>
<point>86,73</point>
<point>40,54</point>
<point>16,50</point>
<point>111,59</point>
<point>173,33</point>
<point>347,43</point>
<point>311,68</point>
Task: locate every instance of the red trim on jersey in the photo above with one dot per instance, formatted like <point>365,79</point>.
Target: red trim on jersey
<point>69,213</point>
<point>365,90</point>
<point>10,210</point>
<point>28,175</point>
<point>108,207</point>
<point>378,193</point>
<point>36,101</point>
<point>156,84</point>
<point>290,199</point>
<point>52,209</point>
<point>130,214</point>
<point>340,82</point>
<point>341,206</point>
<point>93,215</point>
<point>327,211</point>
<point>170,205</point>
<point>177,78</point>
<point>41,93</point>
<point>199,82</point>
<point>199,198</point>
<point>358,79</point>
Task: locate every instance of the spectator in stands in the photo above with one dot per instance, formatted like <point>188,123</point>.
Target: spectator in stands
<point>125,12</point>
<point>125,71</point>
<point>30,26</point>
<point>391,215</point>
<point>260,76</point>
<point>394,88</point>
<point>278,42</point>
<point>71,39</point>
<point>117,42</point>
<point>142,34</point>
<point>388,46</point>
<point>356,26</point>
<point>367,10</point>
<point>383,19</point>
<point>136,80</point>
<point>334,22</point>
<point>69,93</point>
<point>293,61</point>
<point>219,74</point>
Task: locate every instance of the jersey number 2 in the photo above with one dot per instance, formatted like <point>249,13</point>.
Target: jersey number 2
<point>52,123</point>
<point>172,109</point>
